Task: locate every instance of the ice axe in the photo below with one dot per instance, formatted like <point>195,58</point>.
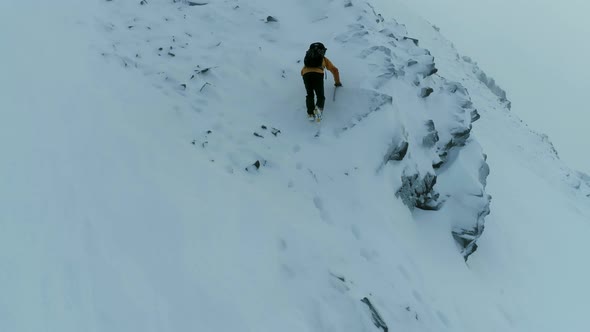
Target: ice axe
<point>334,95</point>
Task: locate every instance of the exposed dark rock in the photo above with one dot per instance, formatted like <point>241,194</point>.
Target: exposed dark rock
<point>467,104</point>
<point>377,320</point>
<point>397,152</point>
<point>550,145</point>
<point>171,54</point>
<point>452,87</point>
<point>202,71</point>
<point>204,85</point>
<point>258,135</point>
<point>190,3</point>
<point>438,164</point>
<point>387,32</point>
<point>414,40</point>
<point>270,19</point>
<point>466,238</point>
<point>425,92</point>
<point>491,84</point>
<point>256,165</point>
<point>444,152</point>
<point>339,277</point>
<point>461,136</point>
<point>412,62</point>
<point>432,137</point>
<point>418,192</point>
<point>143,2</point>
<point>431,70</point>
<point>484,171</point>
<point>475,116</point>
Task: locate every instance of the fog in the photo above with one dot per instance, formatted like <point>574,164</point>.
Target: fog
<point>537,51</point>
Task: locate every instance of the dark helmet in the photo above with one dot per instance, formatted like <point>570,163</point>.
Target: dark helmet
<point>318,45</point>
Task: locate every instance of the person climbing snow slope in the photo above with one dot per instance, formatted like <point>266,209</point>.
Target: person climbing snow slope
<point>313,78</point>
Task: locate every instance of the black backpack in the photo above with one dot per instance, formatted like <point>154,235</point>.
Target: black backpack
<point>314,57</point>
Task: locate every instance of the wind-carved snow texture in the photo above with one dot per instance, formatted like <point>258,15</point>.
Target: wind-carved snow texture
<point>541,148</point>
<point>432,130</point>
<point>489,82</point>
<point>186,190</point>
<point>436,127</point>
<point>584,181</point>
<point>429,147</point>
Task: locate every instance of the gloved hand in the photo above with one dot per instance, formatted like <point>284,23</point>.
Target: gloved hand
<point>337,84</point>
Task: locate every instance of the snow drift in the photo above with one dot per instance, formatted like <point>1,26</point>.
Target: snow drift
<point>162,177</point>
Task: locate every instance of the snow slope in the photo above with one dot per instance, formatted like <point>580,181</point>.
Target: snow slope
<point>541,208</point>
<point>130,199</point>
<point>523,46</point>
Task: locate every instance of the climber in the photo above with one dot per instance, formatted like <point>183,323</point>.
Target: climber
<point>313,78</point>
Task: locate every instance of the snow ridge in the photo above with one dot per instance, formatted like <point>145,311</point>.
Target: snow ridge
<point>161,176</point>
<point>431,116</point>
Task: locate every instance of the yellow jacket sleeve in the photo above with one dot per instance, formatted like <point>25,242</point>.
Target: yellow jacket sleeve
<point>330,66</point>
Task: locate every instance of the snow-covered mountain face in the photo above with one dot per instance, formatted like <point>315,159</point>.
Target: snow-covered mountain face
<point>162,176</point>
<point>423,120</point>
<point>522,45</point>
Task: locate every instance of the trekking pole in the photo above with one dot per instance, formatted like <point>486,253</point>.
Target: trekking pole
<point>334,96</point>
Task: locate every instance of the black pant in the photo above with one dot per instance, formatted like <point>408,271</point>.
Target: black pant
<point>314,82</point>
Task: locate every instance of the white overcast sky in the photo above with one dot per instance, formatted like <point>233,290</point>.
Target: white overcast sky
<point>538,51</point>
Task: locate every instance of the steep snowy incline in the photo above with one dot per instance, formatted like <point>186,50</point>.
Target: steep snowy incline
<point>536,236</point>
<point>390,79</point>
<point>161,176</point>
<point>92,189</point>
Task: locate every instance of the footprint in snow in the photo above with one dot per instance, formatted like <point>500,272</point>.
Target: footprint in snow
<point>417,296</point>
<point>404,272</point>
<point>443,318</point>
<point>319,204</point>
<point>282,245</point>
<point>287,271</point>
<point>356,232</point>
